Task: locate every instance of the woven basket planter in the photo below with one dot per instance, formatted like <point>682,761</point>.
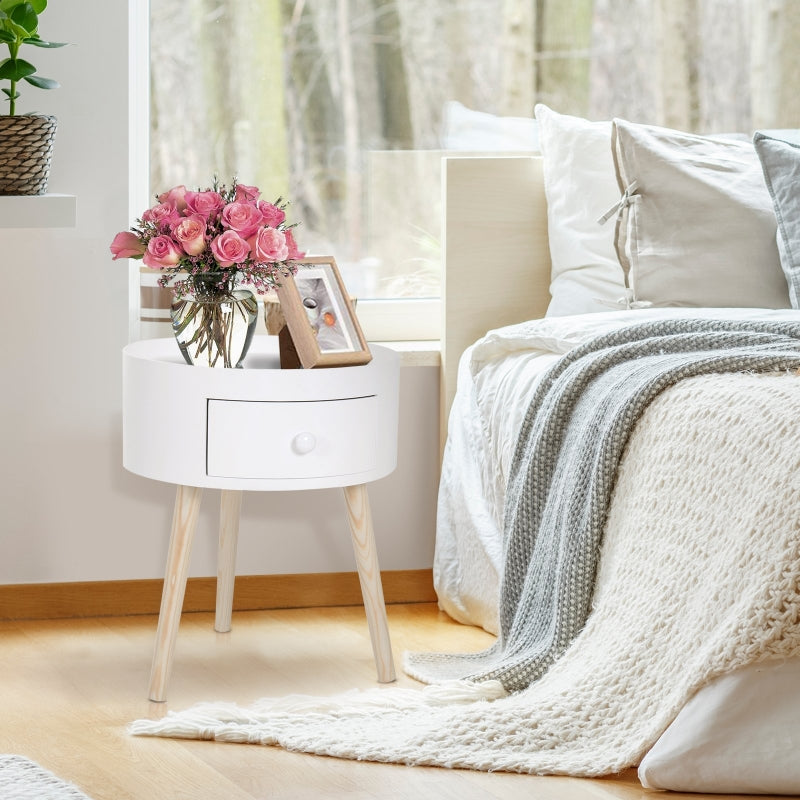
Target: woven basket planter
<point>26,147</point>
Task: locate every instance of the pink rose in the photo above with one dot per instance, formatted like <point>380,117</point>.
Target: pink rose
<point>162,214</point>
<point>190,233</point>
<point>162,253</point>
<point>242,218</point>
<point>268,244</point>
<point>126,245</point>
<point>229,248</point>
<point>273,216</point>
<point>207,204</point>
<point>294,253</point>
<point>176,196</point>
<point>246,194</point>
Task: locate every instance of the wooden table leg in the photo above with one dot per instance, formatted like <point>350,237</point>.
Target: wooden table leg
<point>184,522</point>
<point>360,518</point>
<point>229,507</point>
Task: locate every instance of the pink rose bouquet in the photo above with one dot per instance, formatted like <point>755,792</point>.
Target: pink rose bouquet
<point>212,240</point>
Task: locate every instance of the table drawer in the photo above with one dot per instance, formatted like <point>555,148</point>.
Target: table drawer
<point>261,439</point>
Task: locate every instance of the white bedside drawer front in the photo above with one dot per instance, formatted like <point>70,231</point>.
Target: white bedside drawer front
<point>275,440</point>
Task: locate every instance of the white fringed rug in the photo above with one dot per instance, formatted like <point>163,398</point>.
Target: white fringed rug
<point>22,779</point>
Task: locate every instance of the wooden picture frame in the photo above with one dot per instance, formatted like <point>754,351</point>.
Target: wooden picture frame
<point>320,319</point>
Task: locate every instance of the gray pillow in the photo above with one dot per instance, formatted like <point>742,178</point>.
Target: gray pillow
<point>695,226</point>
<point>780,161</point>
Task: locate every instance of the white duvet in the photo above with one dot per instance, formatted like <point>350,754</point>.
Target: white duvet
<point>496,379</point>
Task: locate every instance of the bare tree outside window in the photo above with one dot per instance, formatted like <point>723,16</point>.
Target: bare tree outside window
<point>338,104</point>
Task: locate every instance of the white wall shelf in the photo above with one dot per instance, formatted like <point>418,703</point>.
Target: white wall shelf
<point>38,211</point>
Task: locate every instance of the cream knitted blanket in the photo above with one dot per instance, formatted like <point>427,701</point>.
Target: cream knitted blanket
<point>698,575</point>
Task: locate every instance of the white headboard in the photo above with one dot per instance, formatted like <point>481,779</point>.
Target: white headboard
<point>495,253</point>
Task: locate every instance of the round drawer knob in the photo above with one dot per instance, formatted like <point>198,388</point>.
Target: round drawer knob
<point>304,443</point>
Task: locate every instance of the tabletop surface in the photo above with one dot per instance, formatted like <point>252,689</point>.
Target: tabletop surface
<point>263,352</point>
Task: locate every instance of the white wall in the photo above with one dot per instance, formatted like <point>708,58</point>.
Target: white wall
<point>68,510</point>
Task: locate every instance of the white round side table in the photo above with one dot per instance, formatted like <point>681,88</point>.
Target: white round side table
<point>259,428</point>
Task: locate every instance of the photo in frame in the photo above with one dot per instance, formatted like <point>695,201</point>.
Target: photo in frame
<point>320,318</point>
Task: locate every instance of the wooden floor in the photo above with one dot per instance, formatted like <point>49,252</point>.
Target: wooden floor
<point>69,688</point>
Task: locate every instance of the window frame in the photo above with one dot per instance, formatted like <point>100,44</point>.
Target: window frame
<point>383,320</point>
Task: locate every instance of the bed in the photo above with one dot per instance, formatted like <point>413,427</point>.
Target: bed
<point>547,279</point>
<point>633,533</point>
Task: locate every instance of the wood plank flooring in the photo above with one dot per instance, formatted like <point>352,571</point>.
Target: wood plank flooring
<point>69,688</point>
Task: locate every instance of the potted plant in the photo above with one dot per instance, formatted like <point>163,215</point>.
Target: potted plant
<point>27,138</point>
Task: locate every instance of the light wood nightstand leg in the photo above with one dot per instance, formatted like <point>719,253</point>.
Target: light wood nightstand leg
<point>184,522</point>
<point>369,574</point>
<point>230,505</point>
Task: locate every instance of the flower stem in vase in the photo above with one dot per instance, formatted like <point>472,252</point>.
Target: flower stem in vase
<point>215,331</point>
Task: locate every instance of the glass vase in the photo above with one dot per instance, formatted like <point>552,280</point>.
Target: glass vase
<point>215,330</point>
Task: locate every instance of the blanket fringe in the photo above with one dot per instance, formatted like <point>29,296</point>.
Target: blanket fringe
<point>225,721</point>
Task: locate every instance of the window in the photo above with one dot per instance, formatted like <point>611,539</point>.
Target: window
<point>344,106</point>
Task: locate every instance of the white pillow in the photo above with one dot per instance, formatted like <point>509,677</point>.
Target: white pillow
<point>465,129</point>
<point>699,229</point>
<point>580,185</point>
<point>740,734</point>
<point>780,161</point>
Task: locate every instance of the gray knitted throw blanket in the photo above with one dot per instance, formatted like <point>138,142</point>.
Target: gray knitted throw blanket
<point>563,474</point>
